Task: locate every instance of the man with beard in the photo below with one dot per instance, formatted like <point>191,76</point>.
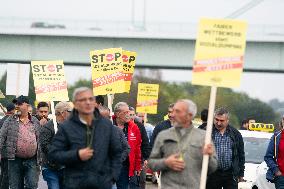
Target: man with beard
<point>20,134</point>
<point>178,151</point>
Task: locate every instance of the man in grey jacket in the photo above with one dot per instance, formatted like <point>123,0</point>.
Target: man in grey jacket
<point>20,136</point>
<point>178,151</point>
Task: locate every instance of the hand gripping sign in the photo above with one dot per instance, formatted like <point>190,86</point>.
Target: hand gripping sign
<point>218,62</point>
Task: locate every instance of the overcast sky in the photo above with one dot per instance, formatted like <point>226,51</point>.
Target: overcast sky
<point>265,12</point>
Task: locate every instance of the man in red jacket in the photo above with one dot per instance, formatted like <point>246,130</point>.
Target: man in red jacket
<point>131,168</point>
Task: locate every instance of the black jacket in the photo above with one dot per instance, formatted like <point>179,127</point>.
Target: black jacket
<point>203,126</point>
<point>103,168</point>
<point>145,146</point>
<point>160,127</point>
<point>47,133</point>
<point>3,120</point>
<point>238,164</point>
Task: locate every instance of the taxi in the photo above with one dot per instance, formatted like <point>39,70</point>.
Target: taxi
<point>255,145</point>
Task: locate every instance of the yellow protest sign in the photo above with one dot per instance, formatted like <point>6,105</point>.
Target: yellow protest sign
<point>107,71</point>
<point>219,52</point>
<point>129,60</point>
<point>1,94</point>
<point>166,117</point>
<point>49,80</point>
<point>261,127</point>
<point>147,98</point>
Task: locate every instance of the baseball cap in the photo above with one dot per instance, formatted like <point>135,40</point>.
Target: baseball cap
<point>22,99</point>
<point>10,107</point>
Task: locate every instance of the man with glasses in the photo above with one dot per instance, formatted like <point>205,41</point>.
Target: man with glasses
<point>87,145</point>
<point>230,151</point>
<point>52,172</point>
<point>131,167</point>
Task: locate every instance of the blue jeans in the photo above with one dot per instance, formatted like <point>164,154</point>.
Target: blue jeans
<point>279,182</point>
<point>123,180</point>
<point>23,173</point>
<point>53,178</point>
<point>4,179</point>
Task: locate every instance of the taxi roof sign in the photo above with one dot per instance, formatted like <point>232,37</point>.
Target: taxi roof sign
<point>261,127</point>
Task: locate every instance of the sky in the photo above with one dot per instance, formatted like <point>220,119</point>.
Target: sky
<point>263,12</point>
<point>156,11</point>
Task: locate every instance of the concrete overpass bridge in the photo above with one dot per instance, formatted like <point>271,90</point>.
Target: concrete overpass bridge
<point>158,46</point>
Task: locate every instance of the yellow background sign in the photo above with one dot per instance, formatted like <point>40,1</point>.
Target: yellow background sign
<point>107,71</point>
<point>219,52</point>
<point>49,80</point>
<point>147,98</point>
<point>1,94</point>
<point>129,60</point>
<point>261,127</point>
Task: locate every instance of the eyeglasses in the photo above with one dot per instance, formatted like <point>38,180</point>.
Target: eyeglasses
<point>69,111</point>
<point>132,114</point>
<point>91,99</point>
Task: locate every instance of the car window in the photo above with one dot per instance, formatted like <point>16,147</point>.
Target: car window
<point>255,149</point>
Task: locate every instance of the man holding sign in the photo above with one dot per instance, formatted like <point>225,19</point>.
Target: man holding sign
<point>178,151</point>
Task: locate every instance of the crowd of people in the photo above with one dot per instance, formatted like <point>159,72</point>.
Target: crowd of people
<point>92,148</point>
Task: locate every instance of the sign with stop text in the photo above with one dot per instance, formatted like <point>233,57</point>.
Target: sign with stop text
<point>129,60</point>
<point>49,80</point>
<point>147,98</point>
<point>219,53</point>
<point>107,71</point>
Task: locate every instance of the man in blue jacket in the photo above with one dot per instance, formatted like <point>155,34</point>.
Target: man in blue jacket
<point>274,159</point>
<point>87,145</point>
<point>163,125</point>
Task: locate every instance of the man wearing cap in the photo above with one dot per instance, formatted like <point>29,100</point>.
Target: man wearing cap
<point>20,134</point>
<point>4,184</point>
<point>52,172</point>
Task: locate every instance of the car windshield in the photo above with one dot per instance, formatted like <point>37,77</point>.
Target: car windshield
<point>255,149</point>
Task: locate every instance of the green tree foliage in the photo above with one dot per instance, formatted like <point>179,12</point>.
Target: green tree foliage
<point>240,105</point>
